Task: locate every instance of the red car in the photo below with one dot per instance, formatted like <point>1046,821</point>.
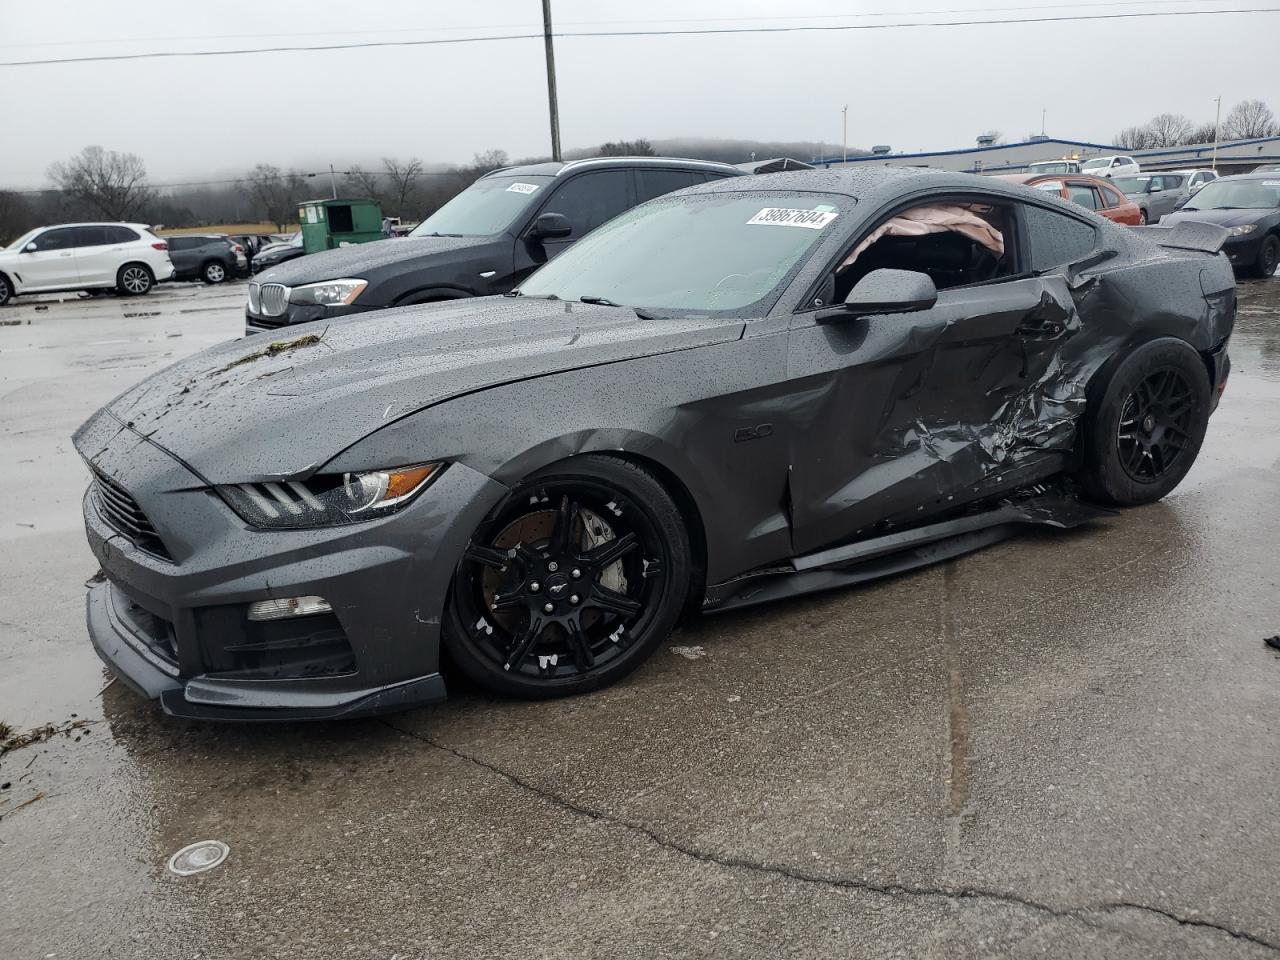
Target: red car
<point>1094,193</point>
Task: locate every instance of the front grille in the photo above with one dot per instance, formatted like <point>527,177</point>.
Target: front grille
<point>253,297</point>
<point>273,299</point>
<point>122,513</point>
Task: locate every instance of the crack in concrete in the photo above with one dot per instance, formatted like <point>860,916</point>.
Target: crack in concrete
<point>895,890</point>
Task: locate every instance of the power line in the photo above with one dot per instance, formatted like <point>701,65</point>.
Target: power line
<point>583,23</point>
<point>825,28</point>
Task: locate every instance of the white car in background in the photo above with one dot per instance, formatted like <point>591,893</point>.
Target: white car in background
<point>1110,167</point>
<point>126,257</point>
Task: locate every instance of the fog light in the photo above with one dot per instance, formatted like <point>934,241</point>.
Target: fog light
<point>288,607</point>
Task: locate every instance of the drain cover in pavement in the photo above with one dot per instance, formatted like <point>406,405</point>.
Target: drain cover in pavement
<point>198,857</point>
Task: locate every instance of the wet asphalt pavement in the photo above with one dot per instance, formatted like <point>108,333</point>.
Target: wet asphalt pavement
<point>1063,746</point>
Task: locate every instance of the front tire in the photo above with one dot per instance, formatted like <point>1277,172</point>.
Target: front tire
<point>6,290</point>
<point>1144,429</point>
<point>134,280</point>
<point>1142,217</point>
<point>1268,257</point>
<point>213,272</point>
<point>571,582</point>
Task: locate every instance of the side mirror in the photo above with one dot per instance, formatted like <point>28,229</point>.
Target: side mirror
<point>549,226</point>
<point>885,291</point>
<point>30,247</point>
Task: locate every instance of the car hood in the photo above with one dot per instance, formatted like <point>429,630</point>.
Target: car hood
<point>360,258</point>
<point>258,409</point>
<point>1224,218</point>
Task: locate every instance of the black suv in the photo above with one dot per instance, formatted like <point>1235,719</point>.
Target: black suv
<point>484,241</point>
<point>211,257</point>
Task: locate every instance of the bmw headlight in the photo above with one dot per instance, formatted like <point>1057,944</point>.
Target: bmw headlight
<point>328,293</point>
<point>327,499</point>
<point>1244,228</point>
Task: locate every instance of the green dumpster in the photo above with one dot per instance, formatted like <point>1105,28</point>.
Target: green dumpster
<point>336,223</point>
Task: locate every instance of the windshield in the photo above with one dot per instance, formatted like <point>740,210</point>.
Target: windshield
<point>1237,195</point>
<point>486,207</point>
<point>1096,164</point>
<point>1132,184</point>
<point>23,240</point>
<point>1060,167</point>
<point>713,253</point>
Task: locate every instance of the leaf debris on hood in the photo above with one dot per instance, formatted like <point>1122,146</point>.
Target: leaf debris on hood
<point>275,348</point>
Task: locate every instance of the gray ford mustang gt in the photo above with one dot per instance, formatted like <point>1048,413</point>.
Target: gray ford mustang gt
<point>745,390</point>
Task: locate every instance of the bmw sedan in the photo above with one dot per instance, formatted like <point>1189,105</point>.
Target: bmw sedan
<point>745,390</point>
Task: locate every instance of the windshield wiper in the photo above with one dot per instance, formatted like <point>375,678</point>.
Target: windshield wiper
<point>445,234</point>
<point>606,302</point>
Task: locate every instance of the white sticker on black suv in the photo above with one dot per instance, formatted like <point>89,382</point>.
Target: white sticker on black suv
<point>522,188</point>
<point>783,217</point>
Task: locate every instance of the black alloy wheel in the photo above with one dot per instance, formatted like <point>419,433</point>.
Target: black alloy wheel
<point>6,291</point>
<point>571,583</point>
<point>1268,257</point>
<point>1155,425</point>
<point>1144,421</point>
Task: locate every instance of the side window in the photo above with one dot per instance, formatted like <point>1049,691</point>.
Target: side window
<point>590,199</point>
<point>956,241</point>
<point>121,235</point>
<point>1172,183</point>
<point>1082,194</point>
<point>91,236</point>
<point>1055,238</point>
<point>61,238</point>
<point>1157,183</point>
<point>1111,197</point>
<point>654,183</point>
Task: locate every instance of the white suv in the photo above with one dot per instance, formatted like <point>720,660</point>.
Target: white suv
<point>1110,167</point>
<point>84,256</point>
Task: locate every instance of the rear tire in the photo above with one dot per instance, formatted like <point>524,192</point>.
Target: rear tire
<point>134,280</point>
<point>213,272</point>
<point>571,582</point>
<point>1268,257</point>
<point>1144,429</point>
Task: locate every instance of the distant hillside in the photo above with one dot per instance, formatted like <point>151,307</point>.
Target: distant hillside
<point>730,151</point>
<point>739,151</point>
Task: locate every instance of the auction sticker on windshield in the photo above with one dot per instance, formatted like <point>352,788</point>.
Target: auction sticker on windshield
<point>522,188</point>
<point>784,217</point>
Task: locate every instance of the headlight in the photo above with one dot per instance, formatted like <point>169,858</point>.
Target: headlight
<point>1244,228</point>
<point>328,292</point>
<point>327,499</point>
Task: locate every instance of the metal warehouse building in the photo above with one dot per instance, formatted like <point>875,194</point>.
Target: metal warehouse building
<point>1233,156</point>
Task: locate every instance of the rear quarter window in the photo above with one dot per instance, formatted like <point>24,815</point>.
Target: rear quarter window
<point>1055,238</point>
<point>121,235</point>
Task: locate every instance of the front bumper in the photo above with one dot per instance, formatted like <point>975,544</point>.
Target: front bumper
<point>1243,250</point>
<point>178,631</point>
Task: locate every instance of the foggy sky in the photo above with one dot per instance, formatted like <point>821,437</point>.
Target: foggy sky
<point>913,89</point>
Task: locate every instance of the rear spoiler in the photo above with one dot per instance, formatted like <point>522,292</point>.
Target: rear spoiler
<point>1187,235</point>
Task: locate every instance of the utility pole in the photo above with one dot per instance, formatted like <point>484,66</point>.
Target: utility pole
<point>1043,111</point>
<point>844,131</point>
<point>551,80</point>
<point>1217,121</point>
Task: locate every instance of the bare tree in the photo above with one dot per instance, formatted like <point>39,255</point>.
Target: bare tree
<point>403,179</point>
<point>363,182</point>
<point>1248,119</point>
<point>1200,134</point>
<point>278,194</point>
<point>483,163</point>
<point>1168,129</point>
<point>627,148</point>
<point>1137,137</point>
<point>112,184</point>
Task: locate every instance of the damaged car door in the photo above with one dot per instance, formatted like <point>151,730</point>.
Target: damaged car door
<point>909,413</point>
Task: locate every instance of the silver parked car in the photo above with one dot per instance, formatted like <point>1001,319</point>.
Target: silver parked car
<point>1155,193</point>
